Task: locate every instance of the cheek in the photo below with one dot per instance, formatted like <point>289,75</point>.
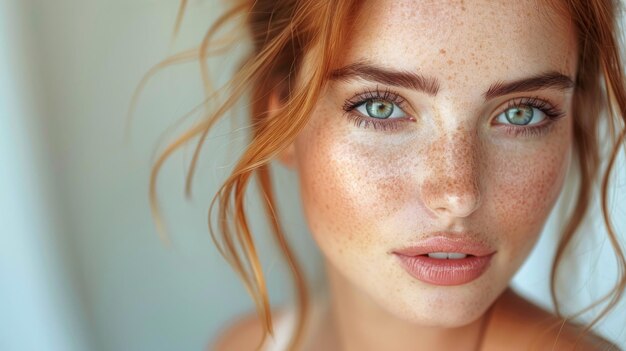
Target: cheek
<point>349,190</point>
<point>524,188</point>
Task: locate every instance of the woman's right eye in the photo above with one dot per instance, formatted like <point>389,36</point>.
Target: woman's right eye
<point>380,109</point>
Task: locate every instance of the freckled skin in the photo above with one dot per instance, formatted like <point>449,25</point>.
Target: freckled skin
<point>366,192</point>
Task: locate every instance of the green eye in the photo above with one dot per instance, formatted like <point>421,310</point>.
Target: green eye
<point>379,108</point>
<point>519,115</point>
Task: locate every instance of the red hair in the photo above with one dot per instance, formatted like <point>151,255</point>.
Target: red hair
<point>282,32</point>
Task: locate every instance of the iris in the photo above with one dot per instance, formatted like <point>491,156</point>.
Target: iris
<point>519,115</point>
<point>379,108</point>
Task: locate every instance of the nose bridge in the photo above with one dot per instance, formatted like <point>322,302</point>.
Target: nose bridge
<point>452,186</point>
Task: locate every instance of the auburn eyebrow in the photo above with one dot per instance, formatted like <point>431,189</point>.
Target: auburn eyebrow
<point>547,80</point>
<point>404,79</point>
<point>430,85</point>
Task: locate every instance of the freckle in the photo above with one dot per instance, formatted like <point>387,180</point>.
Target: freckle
<point>450,62</point>
<point>442,51</point>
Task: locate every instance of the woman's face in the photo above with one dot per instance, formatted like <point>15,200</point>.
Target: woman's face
<point>448,120</point>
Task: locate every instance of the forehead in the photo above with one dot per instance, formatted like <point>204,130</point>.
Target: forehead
<point>460,40</point>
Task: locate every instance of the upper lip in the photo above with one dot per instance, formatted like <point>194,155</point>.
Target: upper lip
<point>458,242</point>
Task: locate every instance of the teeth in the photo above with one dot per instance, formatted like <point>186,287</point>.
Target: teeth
<point>441,255</point>
<point>456,256</point>
<point>447,255</point>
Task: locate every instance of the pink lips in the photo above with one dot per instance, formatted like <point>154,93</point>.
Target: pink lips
<point>446,272</point>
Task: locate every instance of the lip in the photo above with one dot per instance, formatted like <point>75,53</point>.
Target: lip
<point>446,272</point>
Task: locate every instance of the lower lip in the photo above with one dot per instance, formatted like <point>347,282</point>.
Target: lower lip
<point>445,271</point>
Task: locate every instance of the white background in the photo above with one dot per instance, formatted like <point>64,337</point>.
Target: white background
<point>81,266</point>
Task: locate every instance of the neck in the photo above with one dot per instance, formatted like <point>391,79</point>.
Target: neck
<point>356,322</point>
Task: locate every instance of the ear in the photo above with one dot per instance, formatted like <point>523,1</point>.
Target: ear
<point>287,156</point>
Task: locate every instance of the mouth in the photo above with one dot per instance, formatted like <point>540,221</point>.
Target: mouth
<point>447,255</point>
<point>452,245</point>
<point>446,260</point>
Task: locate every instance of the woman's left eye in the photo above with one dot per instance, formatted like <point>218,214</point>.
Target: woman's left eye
<point>521,115</point>
<point>380,109</point>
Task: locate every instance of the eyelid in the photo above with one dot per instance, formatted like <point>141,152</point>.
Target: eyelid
<point>504,120</point>
<point>377,93</point>
<point>396,110</point>
<point>551,110</point>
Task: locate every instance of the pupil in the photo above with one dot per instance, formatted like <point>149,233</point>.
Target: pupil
<point>519,115</point>
<point>379,108</point>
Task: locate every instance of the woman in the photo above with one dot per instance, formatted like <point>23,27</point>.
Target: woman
<point>431,140</point>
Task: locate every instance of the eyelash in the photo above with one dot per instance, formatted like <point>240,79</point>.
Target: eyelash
<point>363,121</point>
<point>552,113</point>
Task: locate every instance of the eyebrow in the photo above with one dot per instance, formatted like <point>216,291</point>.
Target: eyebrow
<point>404,79</point>
<point>430,85</point>
<point>546,80</point>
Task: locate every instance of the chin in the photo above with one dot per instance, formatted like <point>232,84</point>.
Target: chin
<point>448,318</point>
<point>453,314</point>
<point>440,306</point>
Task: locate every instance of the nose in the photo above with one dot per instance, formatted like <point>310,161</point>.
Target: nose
<point>452,186</point>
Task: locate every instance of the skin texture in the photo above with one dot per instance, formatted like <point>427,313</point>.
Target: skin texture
<point>515,324</point>
<point>450,165</point>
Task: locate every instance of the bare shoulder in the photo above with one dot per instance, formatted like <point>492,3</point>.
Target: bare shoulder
<point>528,326</point>
<point>245,333</point>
